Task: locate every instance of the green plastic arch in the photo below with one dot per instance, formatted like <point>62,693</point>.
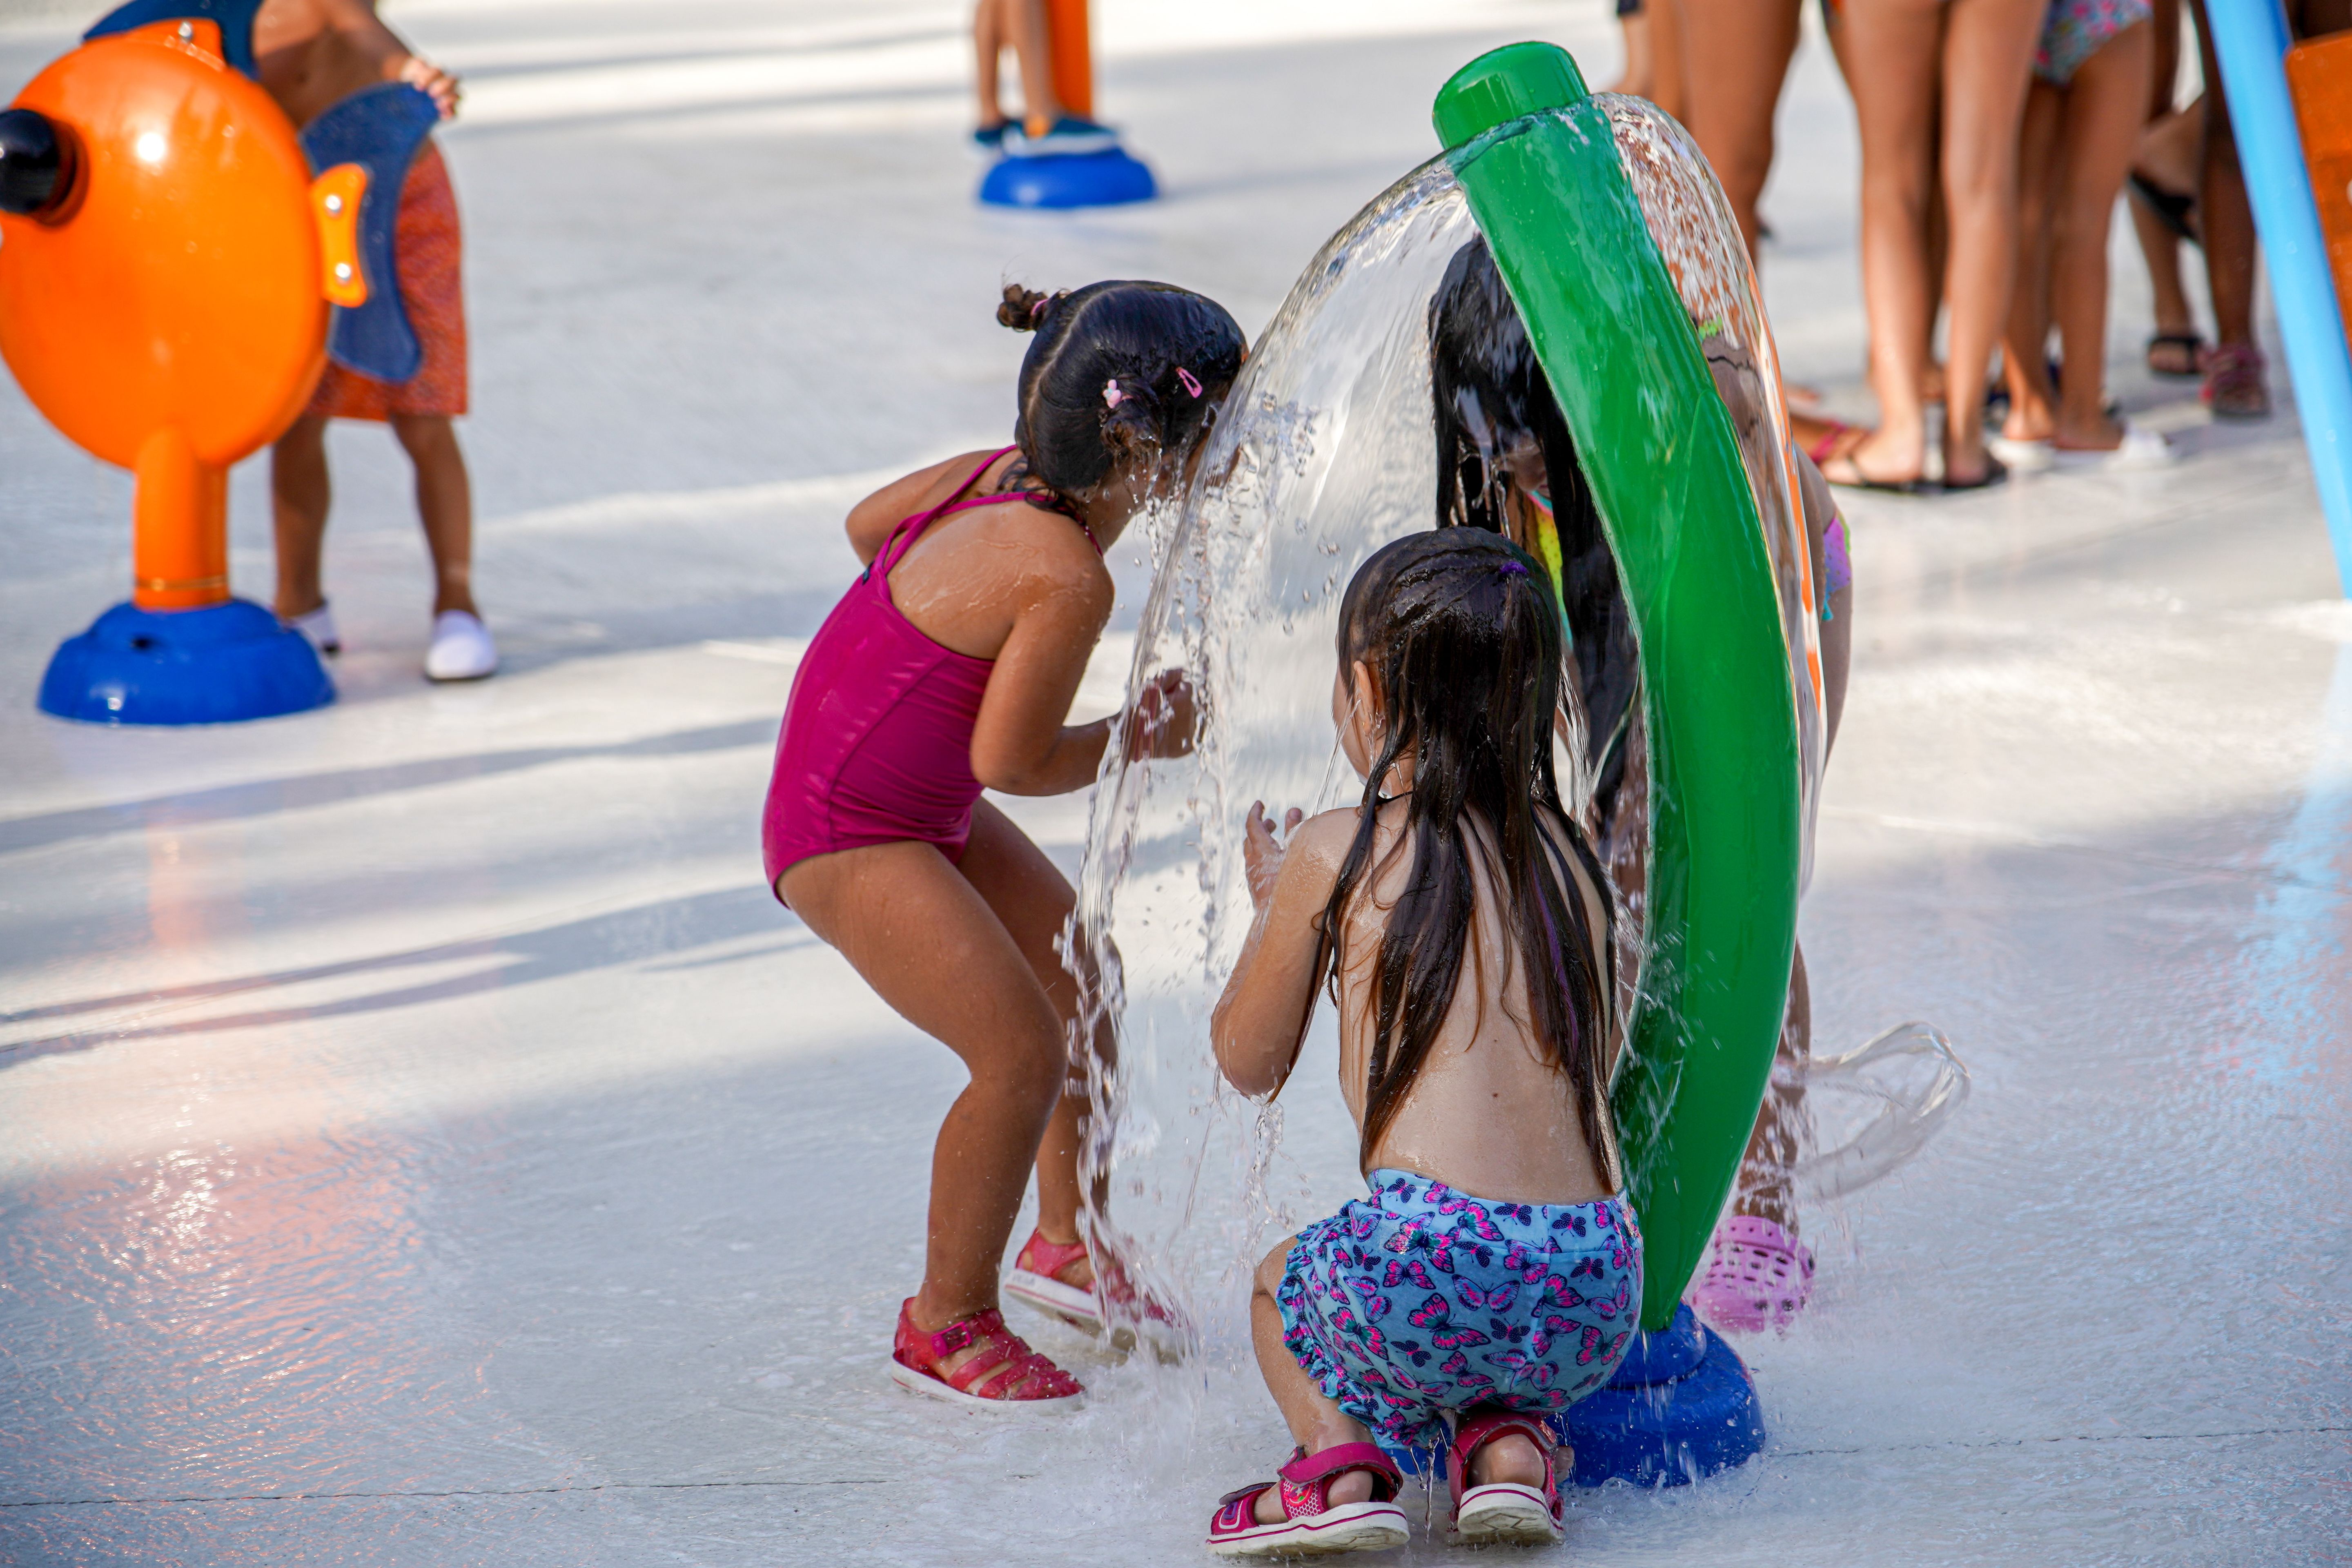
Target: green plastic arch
<point>1541,166</point>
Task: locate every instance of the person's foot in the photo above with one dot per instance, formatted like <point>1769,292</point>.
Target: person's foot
<point>1057,1279</point>
<point>1506,1486</point>
<point>1758,1276</point>
<point>1341,1499</point>
<point>989,140</point>
<point>462,648</point>
<point>2176,353</point>
<point>2234,386</point>
<point>976,1361</point>
<point>1877,462</point>
<point>319,626</point>
<point>2114,444</point>
<point>1069,135</point>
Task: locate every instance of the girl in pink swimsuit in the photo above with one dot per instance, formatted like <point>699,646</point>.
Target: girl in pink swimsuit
<point>948,668</point>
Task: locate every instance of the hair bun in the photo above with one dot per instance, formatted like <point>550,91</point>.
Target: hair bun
<point>1022,309</point>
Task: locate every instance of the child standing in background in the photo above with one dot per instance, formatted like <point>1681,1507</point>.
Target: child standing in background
<point>1044,126</point>
<point>314,53</point>
<point>1492,1276</point>
<point>2083,114</point>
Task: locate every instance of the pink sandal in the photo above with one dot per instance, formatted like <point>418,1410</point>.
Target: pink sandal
<point>1759,1277</point>
<point>1034,1280</point>
<point>1504,1513</point>
<point>1310,1526</point>
<point>1018,1376</point>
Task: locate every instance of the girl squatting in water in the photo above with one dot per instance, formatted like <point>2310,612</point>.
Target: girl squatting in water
<point>1491,1275</point>
<point>950,666</point>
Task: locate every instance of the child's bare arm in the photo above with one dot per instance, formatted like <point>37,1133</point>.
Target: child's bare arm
<point>1261,1016</point>
<point>871,520</point>
<point>356,20</point>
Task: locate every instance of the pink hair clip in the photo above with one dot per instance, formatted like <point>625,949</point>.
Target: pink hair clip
<point>1112,396</point>
<point>1186,377</point>
<point>1038,308</point>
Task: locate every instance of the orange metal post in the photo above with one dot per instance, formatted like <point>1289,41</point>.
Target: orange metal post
<point>1073,55</point>
<point>179,527</point>
<point>2319,77</point>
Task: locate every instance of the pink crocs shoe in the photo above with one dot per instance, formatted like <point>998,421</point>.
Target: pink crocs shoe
<point>1311,1526</point>
<point>1759,1277</point>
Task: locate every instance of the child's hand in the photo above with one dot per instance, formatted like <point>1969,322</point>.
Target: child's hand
<point>1262,852</point>
<point>432,80</point>
<point>1166,719</point>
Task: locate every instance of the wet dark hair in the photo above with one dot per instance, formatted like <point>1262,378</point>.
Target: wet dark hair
<point>1170,354</point>
<point>1491,391</point>
<point>1461,630</point>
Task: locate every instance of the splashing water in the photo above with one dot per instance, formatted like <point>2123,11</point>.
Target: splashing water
<point>1324,453</point>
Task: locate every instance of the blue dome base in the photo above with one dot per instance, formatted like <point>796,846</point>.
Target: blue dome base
<point>1068,180</point>
<point>213,666</point>
<point>1682,1405</point>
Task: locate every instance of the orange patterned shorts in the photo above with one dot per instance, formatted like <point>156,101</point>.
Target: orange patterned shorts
<point>429,254</point>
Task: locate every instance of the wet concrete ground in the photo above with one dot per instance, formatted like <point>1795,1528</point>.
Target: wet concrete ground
<point>422,1140</point>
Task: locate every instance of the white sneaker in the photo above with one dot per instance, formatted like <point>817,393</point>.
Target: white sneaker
<point>319,626</point>
<point>462,648</point>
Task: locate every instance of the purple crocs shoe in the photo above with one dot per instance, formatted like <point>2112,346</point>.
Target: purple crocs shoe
<point>1759,1277</point>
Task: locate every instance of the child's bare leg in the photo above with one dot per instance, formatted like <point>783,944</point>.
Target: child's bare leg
<point>1033,901</point>
<point>928,943</point>
<point>2101,125</point>
<point>1736,56</point>
<point>1779,1138</point>
<point>300,493</point>
<point>1024,22</point>
<point>1315,1423</point>
<point>2032,410</point>
<point>988,48</point>
<point>445,501</point>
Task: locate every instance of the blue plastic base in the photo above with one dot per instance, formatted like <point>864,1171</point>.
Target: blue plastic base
<point>213,666</point>
<point>1682,1405</point>
<point>1068,180</point>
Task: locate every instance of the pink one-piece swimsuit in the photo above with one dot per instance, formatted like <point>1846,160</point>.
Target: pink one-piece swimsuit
<point>877,743</point>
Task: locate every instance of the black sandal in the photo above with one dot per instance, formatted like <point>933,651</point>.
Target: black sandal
<point>1996,472</point>
<point>1856,480</point>
<point>2194,344</point>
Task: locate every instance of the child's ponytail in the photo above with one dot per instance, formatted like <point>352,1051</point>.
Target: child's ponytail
<point>1119,372</point>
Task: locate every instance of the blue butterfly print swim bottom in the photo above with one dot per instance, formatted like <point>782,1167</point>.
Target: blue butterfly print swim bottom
<point>1417,1303</point>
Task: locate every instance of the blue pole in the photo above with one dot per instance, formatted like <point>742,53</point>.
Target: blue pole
<point>2251,38</point>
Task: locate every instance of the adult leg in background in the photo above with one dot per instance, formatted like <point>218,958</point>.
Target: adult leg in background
<point>1736,56</point>
<point>1890,51</point>
<point>1988,61</point>
<point>2234,383</point>
<point>2173,349</point>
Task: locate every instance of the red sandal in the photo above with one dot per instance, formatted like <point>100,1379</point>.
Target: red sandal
<point>1310,1526</point>
<point>1034,1280</point>
<point>1505,1514</point>
<point>1015,1374</point>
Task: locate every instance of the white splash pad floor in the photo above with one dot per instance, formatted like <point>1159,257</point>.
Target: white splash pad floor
<point>421,1141</point>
